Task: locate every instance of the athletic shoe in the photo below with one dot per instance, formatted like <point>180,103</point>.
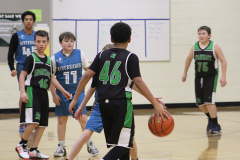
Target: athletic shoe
<point>21,149</point>
<point>210,125</point>
<point>91,148</point>
<point>216,129</point>
<point>22,127</point>
<point>35,154</point>
<point>61,151</point>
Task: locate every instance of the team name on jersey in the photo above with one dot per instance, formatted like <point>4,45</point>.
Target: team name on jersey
<point>203,57</point>
<point>70,66</point>
<point>26,43</point>
<point>42,72</point>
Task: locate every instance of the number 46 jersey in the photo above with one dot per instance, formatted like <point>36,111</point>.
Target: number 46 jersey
<point>115,69</point>
<point>68,69</point>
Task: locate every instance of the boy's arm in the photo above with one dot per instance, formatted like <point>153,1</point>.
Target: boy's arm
<point>79,111</point>
<point>56,98</point>
<point>11,50</point>
<point>24,96</point>
<point>59,87</point>
<point>82,83</point>
<point>187,64</point>
<point>146,92</point>
<point>221,57</point>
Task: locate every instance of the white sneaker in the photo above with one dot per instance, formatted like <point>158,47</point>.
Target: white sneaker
<point>91,148</point>
<point>37,154</point>
<point>21,149</point>
<point>61,151</point>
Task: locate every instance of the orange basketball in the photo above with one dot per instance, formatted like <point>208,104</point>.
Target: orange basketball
<point>160,128</point>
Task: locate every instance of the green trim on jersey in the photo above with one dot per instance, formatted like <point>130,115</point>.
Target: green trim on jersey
<point>29,92</point>
<point>128,95</point>
<point>36,57</point>
<point>48,60</point>
<point>129,114</point>
<point>215,83</point>
<point>196,47</point>
<point>210,46</point>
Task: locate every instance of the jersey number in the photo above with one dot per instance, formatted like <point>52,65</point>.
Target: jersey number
<point>66,74</point>
<point>27,51</point>
<point>115,75</point>
<point>43,83</point>
<point>202,65</point>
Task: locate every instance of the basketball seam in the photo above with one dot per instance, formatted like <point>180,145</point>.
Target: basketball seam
<point>155,126</point>
<point>168,127</point>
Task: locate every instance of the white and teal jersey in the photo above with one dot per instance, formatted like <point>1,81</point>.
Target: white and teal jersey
<point>68,69</point>
<point>206,62</point>
<point>25,46</point>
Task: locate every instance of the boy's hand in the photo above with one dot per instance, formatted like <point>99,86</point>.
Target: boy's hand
<point>56,100</point>
<point>24,97</point>
<point>158,99</point>
<point>223,81</point>
<point>67,95</point>
<point>184,77</point>
<point>72,106</point>
<point>13,73</point>
<point>161,112</point>
<point>78,113</point>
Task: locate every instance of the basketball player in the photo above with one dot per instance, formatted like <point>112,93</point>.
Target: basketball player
<point>67,66</point>
<point>116,68</point>
<point>206,54</point>
<point>22,44</point>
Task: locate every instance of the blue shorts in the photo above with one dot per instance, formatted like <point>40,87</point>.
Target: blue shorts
<point>94,122</point>
<point>62,110</point>
<point>19,69</point>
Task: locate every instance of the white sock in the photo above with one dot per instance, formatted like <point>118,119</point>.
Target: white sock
<point>90,140</point>
<point>62,143</point>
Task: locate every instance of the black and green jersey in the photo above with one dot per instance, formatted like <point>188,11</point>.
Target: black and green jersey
<point>115,68</point>
<point>206,62</point>
<point>39,71</point>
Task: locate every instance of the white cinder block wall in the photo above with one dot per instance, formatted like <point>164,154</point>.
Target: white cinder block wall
<point>164,78</point>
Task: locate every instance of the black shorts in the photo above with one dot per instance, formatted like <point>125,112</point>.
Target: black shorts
<point>118,122</point>
<point>37,108</point>
<point>205,89</point>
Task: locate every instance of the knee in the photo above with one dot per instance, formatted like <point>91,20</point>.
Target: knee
<point>84,119</point>
<point>62,121</point>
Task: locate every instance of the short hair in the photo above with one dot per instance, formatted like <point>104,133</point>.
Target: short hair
<point>66,35</point>
<point>108,46</point>
<point>28,13</point>
<point>41,33</point>
<point>120,32</point>
<point>206,28</point>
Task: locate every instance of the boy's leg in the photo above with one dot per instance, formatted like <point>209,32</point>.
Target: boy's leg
<point>61,127</point>
<point>85,136</point>
<point>133,151</point>
<point>28,131</point>
<point>37,136</point>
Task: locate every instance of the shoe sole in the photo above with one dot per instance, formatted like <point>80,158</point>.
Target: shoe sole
<point>20,155</point>
<point>57,155</point>
<point>216,132</point>
<point>94,155</point>
<point>38,158</point>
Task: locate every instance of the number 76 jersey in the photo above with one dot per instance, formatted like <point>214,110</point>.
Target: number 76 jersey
<point>68,69</point>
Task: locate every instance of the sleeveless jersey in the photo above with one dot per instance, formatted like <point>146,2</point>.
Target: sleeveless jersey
<point>68,70</point>
<point>206,62</point>
<point>40,75</point>
<point>25,47</point>
<point>113,79</point>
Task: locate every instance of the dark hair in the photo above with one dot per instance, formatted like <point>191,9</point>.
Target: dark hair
<point>120,32</point>
<point>206,28</point>
<point>66,35</point>
<point>41,33</point>
<point>28,13</point>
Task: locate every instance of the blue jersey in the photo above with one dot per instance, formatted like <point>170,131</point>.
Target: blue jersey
<point>68,70</point>
<point>25,46</point>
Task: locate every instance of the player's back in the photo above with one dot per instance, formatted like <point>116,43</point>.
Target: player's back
<point>68,69</point>
<point>114,82</point>
<point>25,46</point>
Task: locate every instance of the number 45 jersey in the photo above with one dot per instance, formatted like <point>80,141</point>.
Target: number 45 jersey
<point>206,62</point>
<point>68,69</point>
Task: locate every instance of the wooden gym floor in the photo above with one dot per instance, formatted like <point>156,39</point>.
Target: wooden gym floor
<point>188,141</point>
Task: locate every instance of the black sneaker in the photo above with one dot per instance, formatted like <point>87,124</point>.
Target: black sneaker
<point>210,125</point>
<point>216,129</point>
